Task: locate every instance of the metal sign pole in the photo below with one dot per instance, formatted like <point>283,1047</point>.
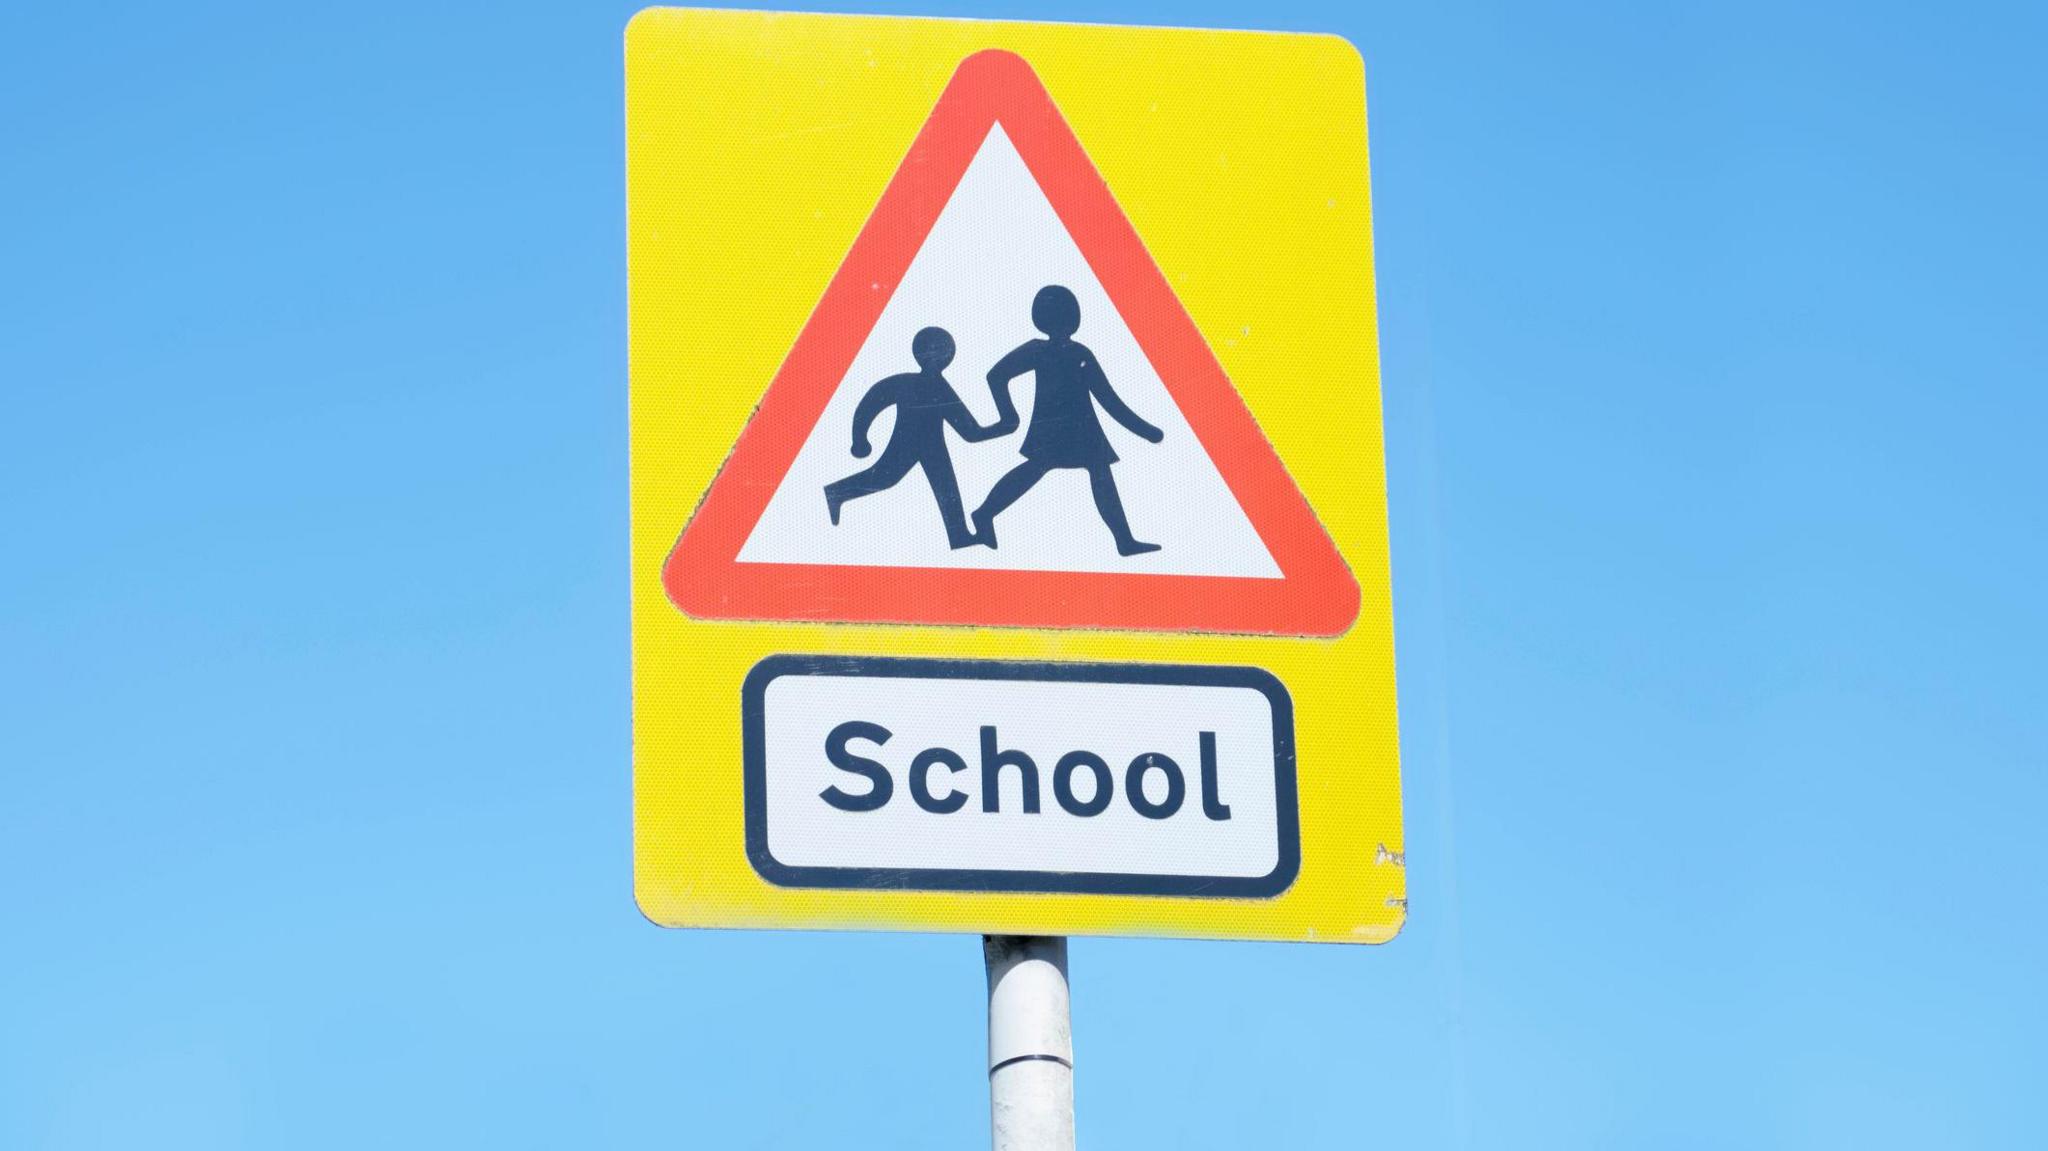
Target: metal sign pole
<point>1030,1043</point>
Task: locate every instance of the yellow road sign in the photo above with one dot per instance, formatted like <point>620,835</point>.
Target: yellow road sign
<point>1009,540</point>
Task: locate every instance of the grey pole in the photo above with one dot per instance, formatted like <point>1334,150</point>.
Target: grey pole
<point>1030,1043</point>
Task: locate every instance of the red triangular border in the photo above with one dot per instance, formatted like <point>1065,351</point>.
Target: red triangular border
<point>1316,594</point>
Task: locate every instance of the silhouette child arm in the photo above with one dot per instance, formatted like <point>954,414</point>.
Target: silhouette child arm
<point>1114,404</point>
<point>879,398</point>
<point>1021,360</point>
<point>969,429</point>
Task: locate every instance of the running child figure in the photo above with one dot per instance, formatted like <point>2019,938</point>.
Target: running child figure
<point>925,405</point>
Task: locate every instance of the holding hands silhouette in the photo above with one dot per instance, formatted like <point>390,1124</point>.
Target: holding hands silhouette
<point>1065,431</point>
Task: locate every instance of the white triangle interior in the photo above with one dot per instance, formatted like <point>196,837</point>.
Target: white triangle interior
<point>995,244</point>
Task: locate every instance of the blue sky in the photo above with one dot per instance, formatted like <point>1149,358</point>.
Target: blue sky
<point>1714,350</point>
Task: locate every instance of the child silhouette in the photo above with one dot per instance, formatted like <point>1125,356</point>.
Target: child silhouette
<point>925,403</point>
<point>1065,432</point>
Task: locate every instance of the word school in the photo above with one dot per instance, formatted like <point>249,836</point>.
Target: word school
<point>1169,784</point>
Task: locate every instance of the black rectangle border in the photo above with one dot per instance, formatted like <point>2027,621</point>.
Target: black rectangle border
<point>1287,815</point>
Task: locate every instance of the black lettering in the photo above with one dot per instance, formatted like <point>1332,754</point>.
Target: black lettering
<point>877,775</point>
<point>1063,783</point>
<point>992,763</point>
<point>920,781</point>
<point>1134,785</point>
<point>1212,803</point>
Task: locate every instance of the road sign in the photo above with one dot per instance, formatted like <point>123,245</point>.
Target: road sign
<point>1006,202</point>
<point>1009,532</point>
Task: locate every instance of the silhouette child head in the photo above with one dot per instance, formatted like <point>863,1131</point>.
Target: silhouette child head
<point>1056,312</point>
<point>932,348</point>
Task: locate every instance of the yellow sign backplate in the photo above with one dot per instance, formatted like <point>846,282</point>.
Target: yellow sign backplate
<point>1121,746</point>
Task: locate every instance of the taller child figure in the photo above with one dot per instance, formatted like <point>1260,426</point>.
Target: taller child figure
<point>1065,432</point>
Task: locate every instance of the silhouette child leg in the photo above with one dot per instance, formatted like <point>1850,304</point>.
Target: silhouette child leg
<point>879,476</point>
<point>1020,479</point>
<point>1007,491</point>
<point>1110,507</point>
<point>938,472</point>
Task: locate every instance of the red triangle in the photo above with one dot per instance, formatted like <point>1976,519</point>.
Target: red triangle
<point>1316,594</point>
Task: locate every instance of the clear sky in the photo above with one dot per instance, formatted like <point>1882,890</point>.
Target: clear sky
<point>1714,360</point>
